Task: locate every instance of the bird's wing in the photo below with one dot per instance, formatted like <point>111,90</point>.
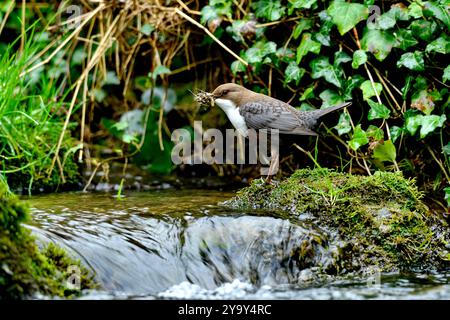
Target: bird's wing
<point>273,114</point>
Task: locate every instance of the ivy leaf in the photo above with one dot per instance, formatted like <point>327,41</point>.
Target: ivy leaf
<point>368,91</point>
<point>346,15</point>
<point>359,138</point>
<point>440,12</point>
<point>350,84</point>
<point>379,43</point>
<point>321,67</point>
<point>259,51</point>
<point>208,14</point>
<point>237,66</point>
<point>447,195</point>
<point>269,9</point>
<point>375,133</point>
<point>404,39</point>
<point>330,98</point>
<point>441,45</point>
<point>302,4</point>
<point>446,149</point>
<point>415,10</point>
<point>387,20</point>
<point>385,151</point>
<point>307,45</point>
<point>377,111</point>
<point>446,75</point>
<point>343,126</point>
<point>326,24</point>
<point>424,29</point>
<point>412,60</point>
<point>293,73</point>
<point>423,101</point>
<point>159,70</point>
<point>412,123</point>
<point>359,58</point>
<point>308,93</point>
<point>147,29</point>
<point>111,78</point>
<point>301,26</point>
<point>430,123</point>
<point>395,132</point>
<point>341,57</point>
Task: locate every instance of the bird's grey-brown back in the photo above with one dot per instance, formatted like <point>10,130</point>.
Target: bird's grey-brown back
<point>263,112</point>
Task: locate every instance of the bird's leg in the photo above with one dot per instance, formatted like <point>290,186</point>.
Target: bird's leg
<point>273,164</point>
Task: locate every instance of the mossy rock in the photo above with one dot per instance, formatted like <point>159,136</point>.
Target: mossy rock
<point>379,220</point>
<point>24,269</point>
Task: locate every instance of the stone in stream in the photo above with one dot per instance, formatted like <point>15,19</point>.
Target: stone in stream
<point>380,220</point>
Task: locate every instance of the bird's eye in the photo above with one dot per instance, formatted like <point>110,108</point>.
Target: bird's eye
<point>224,92</point>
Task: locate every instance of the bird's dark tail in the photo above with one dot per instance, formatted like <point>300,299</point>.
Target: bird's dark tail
<point>321,112</point>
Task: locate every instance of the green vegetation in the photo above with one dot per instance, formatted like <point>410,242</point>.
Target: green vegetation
<point>390,58</point>
<point>380,219</point>
<point>30,124</point>
<point>24,269</point>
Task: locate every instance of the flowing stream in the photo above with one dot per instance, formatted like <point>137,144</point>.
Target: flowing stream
<point>172,244</point>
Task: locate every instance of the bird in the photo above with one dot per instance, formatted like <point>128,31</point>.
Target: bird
<point>247,109</point>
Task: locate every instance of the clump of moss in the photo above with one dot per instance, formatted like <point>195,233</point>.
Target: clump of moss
<point>380,218</point>
<point>24,269</point>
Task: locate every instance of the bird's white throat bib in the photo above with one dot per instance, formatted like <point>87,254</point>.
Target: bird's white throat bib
<point>233,115</point>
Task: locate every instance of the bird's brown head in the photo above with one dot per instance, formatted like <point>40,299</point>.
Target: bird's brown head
<point>230,91</point>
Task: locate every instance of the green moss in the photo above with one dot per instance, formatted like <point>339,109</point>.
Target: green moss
<point>24,269</point>
<point>380,218</point>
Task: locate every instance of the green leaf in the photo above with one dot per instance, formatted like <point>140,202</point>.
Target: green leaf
<point>430,123</point>
<point>159,70</point>
<point>368,91</point>
<point>307,45</point>
<point>346,15</point>
<point>379,43</point>
<point>412,123</point>
<point>412,60</point>
<point>359,138</point>
<point>111,78</point>
<point>237,66</point>
<point>386,20</point>
<point>404,39</point>
<point>301,26</point>
<point>308,93</point>
<point>440,45</point>
<point>330,98</point>
<point>395,132</point>
<point>321,67</point>
<point>438,11</point>
<point>344,125</point>
<point>447,195</point>
<point>208,13</point>
<point>293,73</point>
<point>423,101</point>
<point>377,111</point>
<point>302,4</point>
<point>350,84</point>
<point>259,51</point>
<point>415,10</point>
<point>326,24</point>
<point>341,57</point>
<point>385,151</point>
<point>446,75</point>
<point>269,9</point>
<point>359,58</point>
<point>424,29</point>
<point>446,149</point>
<point>375,133</point>
<point>147,29</point>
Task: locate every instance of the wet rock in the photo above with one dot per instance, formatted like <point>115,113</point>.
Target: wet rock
<point>376,220</point>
